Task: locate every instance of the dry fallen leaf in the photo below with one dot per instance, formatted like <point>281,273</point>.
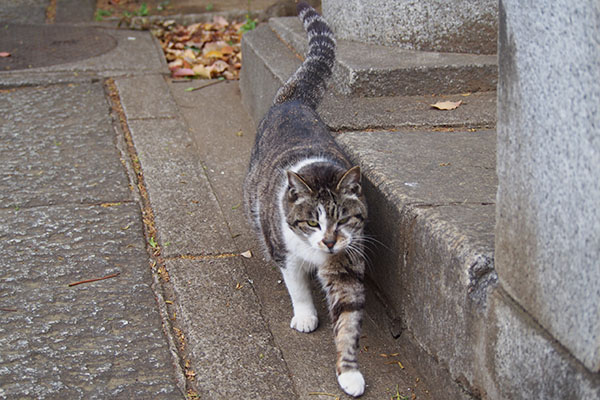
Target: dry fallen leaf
<point>446,105</point>
<point>209,50</point>
<point>246,254</point>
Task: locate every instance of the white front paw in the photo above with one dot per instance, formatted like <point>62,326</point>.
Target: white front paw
<point>352,382</point>
<point>304,322</point>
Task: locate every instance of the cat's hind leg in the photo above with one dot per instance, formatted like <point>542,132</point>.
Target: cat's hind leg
<point>297,281</point>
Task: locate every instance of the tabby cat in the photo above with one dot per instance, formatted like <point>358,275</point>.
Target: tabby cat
<point>304,200</point>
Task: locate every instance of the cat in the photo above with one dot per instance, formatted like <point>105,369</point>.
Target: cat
<point>304,200</point>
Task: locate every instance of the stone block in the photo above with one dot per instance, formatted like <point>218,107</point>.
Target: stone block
<point>524,362</point>
<point>431,207</point>
<point>548,230</point>
<point>370,69</point>
<point>458,26</point>
<point>267,64</point>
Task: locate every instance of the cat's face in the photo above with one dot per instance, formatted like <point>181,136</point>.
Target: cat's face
<point>327,212</point>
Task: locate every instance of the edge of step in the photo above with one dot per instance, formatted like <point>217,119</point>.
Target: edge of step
<point>370,70</point>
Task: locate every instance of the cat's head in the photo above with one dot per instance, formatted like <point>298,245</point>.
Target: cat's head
<point>325,208</point>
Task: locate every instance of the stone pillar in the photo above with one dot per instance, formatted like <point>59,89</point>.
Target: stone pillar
<point>456,26</point>
<point>548,203</point>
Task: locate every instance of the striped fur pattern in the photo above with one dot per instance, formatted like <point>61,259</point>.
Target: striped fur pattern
<point>304,200</point>
<point>308,82</point>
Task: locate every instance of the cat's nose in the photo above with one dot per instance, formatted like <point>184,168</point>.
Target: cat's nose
<point>329,243</point>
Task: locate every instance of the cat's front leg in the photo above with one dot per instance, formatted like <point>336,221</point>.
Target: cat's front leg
<point>297,281</point>
<point>346,298</point>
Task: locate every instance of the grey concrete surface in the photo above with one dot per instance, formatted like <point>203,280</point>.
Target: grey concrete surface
<point>373,70</point>
<point>68,214</point>
<point>24,11</point>
<point>431,198</point>
<point>527,362</point>
<point>47,134</point>
<point>548,167</point>
<point>87,341</point>
<point>271,62</point>
<point>50,44</point>
<point>456,26</point>
<point>231,347</point>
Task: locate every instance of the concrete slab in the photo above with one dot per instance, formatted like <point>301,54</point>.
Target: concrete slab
<point>267,64</point>
<point>13,11</point>
<point>223,134</point>
<point>146,96</point>
<point>230,346</point>
<point>427,167</point>
<point>431,201</point>
<point>374,70</point>
<point>85,341</point>
<point>549,169</point>
<point>185,208</point>
<point>135,51</point>
<point>54,150</point>
<point>346,113</point>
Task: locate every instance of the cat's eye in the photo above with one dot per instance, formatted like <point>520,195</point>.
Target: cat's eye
<point>343,221</point>
<point>314,224</point>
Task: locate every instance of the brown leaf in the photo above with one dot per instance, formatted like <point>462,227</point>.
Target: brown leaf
<point>446,105</point>
<point>202,71</point>
<point>181,72</point>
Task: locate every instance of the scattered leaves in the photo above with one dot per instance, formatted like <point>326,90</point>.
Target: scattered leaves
<point>447,105</point>
<point>205,50</point>
<point>396,362</point>
<point>238,286</point>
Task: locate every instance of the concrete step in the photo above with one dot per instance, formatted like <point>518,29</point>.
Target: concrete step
<point>431,185</point>
<point>371,70</point>
<point>268,62</point>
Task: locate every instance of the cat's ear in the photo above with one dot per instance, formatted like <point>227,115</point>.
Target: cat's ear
<point>350,182</point>
<point>296,186</point>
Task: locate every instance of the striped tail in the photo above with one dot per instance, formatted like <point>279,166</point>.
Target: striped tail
<point>308,83</point>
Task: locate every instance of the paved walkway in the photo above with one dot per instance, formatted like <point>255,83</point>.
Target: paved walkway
<point>110,170</point>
